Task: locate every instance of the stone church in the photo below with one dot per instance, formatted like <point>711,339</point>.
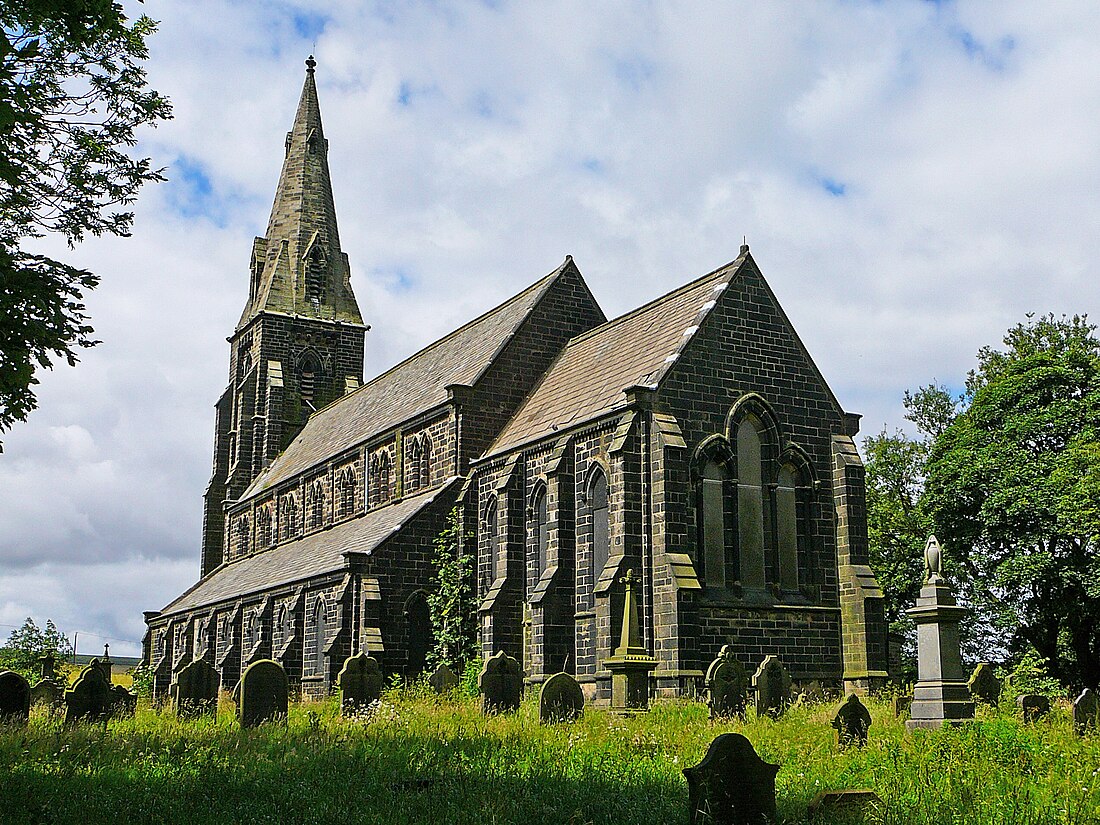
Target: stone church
<point>692,441</point>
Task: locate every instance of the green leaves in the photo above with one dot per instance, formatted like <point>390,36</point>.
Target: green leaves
<point>451,603</point>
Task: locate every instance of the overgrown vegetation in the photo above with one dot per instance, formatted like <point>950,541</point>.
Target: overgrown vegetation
<point>417,758</point>
<point>29,643</point>
<point>451,603</point>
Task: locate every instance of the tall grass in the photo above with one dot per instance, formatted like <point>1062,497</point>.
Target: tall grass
<point>420,759</point>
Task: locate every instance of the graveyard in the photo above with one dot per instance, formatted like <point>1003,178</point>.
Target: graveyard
<point>418,756</point>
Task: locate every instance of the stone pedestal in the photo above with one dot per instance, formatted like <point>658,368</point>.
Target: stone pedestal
<point>941,695</point>
<point>631,663</point>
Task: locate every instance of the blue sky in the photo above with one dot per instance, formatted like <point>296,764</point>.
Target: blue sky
<point>912,177</point>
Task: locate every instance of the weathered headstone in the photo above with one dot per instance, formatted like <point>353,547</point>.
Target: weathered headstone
<point>195,689</point>
<point>560,699</point>
<point>15,698</point>
<point>90,698</point>
<point>360,682</point>
<point>630,664</point>
<point>1086,710</point>
<point>264,694</point>
<point>940,695</point>
<point>732,785</point>
<point>47,692</point>
<point>852,722</point>
<point>727,685</point>
<point>500,683</point>
<point>984,685</point>
<point>772,686</point>
<point>443,679</point>
<point>846,803</point>
<point>1033,706</point>
<point>47,666</point>
<point>123,703</point>
<point>902,705</point>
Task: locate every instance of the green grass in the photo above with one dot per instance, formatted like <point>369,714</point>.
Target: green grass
<point>419,759</point>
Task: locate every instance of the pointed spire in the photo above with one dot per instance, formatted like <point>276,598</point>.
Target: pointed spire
<point>298,266</point>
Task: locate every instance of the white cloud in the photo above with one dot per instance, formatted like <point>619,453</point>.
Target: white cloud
<point>473,146</point>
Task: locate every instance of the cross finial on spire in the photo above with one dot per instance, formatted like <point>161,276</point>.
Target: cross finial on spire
<point>311,64</point>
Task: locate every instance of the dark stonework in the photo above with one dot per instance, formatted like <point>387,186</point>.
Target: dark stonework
<point>727,685</point>
<point>1086,711</point>
<point>501,684</point>
<point>852,721</point>
<point>732,785</point>
<point>984,685</point>
<point>772,686</point>
<point>15,698</point>
<point>560,699</point>
<point>195,690</point>
<point>1033,706</point>
<point>902,704</point>
<point>443,679</point>
<point>123,703</point>
<point>90,698</point>
<point>844,803</point>
<point>360,683</point>
<point>263,694</point>
<point>48,692</point>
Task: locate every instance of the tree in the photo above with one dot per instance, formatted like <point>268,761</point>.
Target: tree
<point>28,644</point>
<point>1013,489</point>
<point>72,94</point>
<point>451,603</point>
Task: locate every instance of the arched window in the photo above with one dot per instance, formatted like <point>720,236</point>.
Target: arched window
<point>424,470</point>
<point>263,527</point>
<point>788,525</point>
<point>315,504</point>
<point>320,618</point>
<point>345,491</point>
<point>288,516</point>
<point>286,622</point>
<point>750,503</point>
<point>540,531</point>
<point>380,477</point>
<point>711,513</point>
<point>243,536</point>
<point>309,370</point>
<point>315,275</point>
<point>492,543</point>
<point>601,525</point>
<point>412,464</point>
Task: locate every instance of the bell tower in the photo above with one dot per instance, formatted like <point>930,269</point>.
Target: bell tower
<point>299,343</point>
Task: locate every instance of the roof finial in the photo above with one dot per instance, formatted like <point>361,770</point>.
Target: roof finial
<point>311,64</point>
<point>744,244</point>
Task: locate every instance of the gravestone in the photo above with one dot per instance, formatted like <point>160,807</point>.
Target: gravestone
<point>845,803</point>
<point>630,663</point>
<point>852,722</point>
<point>1033,706</point>
<point>47,692</point>
<point>772,686</point>
<point>1086,708</point>
<point>560,699</point>
<point>123,703</point>
<point>984,684</point>
<point>732,785</point>
<point>500,683</point>
<point>902,705</point>
<point>47,666</point>
<point>360,683</point>
<point>90,698</point>
<point>15,698</point>
<point>727,685</point>
<point>195,689</point>
<point>940,695</point>
<point>264,694</point>
<point>443,679</point>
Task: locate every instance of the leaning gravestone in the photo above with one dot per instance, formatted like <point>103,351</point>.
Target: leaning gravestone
<point>15,698</point>
<point>443,679</point>
<point>264,694</point>
<point>852,722</point>
<point>727,685</point>
<point>772,686</point>
<point>984,684</point>
<point>732,785</point>
<point>360,682</point>
<point>560,699</point>
<point>1086,709</point>
<point>195,690</point>
<point>1033,706</point>
<point>90,698</point>
<point>500,683</point>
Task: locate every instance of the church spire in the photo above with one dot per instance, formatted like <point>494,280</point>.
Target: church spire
<point>298,267</point>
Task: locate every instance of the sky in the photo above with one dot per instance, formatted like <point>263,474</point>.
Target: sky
<point>913,179</point>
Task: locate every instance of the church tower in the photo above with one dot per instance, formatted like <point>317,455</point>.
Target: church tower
<point>299,342</point>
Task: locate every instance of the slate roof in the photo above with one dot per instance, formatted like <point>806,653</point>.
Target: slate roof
<point>414,386</point>
<point>304,558</point>
<point>588,377</point>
